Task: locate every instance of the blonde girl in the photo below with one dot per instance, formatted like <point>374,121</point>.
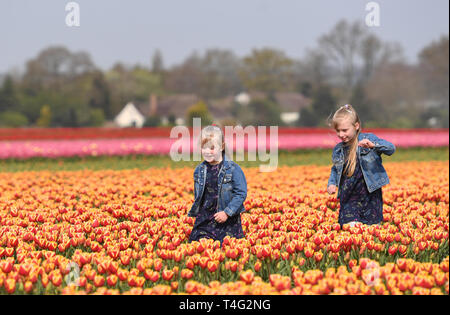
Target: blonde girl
<point>357,173</point>
<point>220,189</point>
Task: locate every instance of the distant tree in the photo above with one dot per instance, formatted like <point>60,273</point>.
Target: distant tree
<point>434,70</point>
<point>243,114</point>
<point>308,118</point>
<point>315,68</point>
<point>374,53</point>
<point>187,77</point>
<point>54,66</point>
<point>322,107</point>
<point>199,110</point>
<point>365,107</point>
<point>97,117</point>
<point>341,46</point>
<point>99,94</point>
<point>13,119</point>
<point>72,118</point>
<point>135,84</point>
<point>157,62</point>
<point>45,118</point>
<point>220,74</point>
<point>400,96</point>
<point>350,46</point>
<point>153,121</point>
<point>211,75</point>
<point>306,89</point>
<point>266,70</point>
<point>265,112</point>
<point>324,104</point>
<point>8,95</point>
<point>434,76</point>
<point>171,119</point>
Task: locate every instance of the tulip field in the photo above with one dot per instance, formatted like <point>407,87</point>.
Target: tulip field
<point>125,231</point>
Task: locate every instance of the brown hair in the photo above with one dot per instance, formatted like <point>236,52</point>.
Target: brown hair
<point>348,112</point>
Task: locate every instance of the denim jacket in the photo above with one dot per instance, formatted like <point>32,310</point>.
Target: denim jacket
<point>232,188</point>
<point>373,171</point>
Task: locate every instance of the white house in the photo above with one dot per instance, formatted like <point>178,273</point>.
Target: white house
<point>130,116</point>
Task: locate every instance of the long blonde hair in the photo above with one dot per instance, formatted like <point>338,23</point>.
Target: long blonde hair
<point>348,112</point>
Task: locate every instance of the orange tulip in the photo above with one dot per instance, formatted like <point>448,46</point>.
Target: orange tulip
<point>212,266</point>
<point>167,274</point>
<point>10,285</point>
<point>187,274</point>
<point>247,276</point>
<point>111,280</point>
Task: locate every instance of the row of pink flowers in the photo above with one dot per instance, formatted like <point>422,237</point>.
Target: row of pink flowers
<point>26,134</point>
<point>159,145</point>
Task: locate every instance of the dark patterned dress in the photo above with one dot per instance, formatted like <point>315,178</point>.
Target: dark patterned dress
<point>205,226</point>
<point>357,204</point>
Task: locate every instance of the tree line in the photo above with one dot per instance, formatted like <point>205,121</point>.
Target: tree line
<point>349,64</point>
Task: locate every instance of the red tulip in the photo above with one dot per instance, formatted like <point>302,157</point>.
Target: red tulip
<point>24,269</point>
<point>203,262</point>
<point>99,281</point>
<point>177,256</point>
<point>308,252</point>
<point>187,274</point>
<point>122,274</point>
<point>28,286</point>
<point>213,265</point>
<point>392,249</point>
<point>6,266</point>
<point>167,274</point>
<point>111,280</point>
<point>10,285</point>
<point>114,253</point>
<point>9,251</point>
<point>440,279</point>
<point>280,282</point>
<point>157,265</point>
<point>154,277</point>
<point>231,253</point>
<point>258,266</point>
<point>56,279</point>
<point>247,276</point>
<point>113,266</point>
<point>318,256</point>
<point>125,259</point>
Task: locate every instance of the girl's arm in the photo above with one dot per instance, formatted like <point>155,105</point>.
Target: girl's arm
<point>195,179</point>
<point>333,175</point>
<point>195,191</point>
<point>332,180</point>
<point>381,145</point>
<point>239,192</point>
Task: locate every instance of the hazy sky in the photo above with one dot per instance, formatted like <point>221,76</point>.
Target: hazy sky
<point>130,31</point>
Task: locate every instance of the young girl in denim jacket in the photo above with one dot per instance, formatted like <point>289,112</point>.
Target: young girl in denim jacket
<point>220,189</point>
<point>357,173</point>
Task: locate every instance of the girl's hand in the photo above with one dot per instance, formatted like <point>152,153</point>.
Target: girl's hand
<point>221,217</point>
<point>366,143</point>
<point>332,189</point>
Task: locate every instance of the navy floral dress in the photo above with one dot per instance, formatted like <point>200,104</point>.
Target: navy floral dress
<point>357,204</point>
<point>205,226</point>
